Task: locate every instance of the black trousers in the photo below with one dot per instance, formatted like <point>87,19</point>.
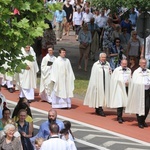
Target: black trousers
<point>141,119</point>
<point>77,29</point>
<point>120,109</point>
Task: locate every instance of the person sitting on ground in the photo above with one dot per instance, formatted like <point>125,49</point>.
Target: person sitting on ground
<point>65,134</point>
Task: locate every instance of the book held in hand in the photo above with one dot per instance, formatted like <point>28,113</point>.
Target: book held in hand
<point>49,63</point>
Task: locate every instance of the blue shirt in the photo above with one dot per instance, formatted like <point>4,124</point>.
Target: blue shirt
<point>85,37</point>
<point>59,15</point>
<point>44,131</point>
<point>133,18</point>
<point>1,113</point>
<point>92,27</point>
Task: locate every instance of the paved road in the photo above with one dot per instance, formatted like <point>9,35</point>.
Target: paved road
<point>90,137</point>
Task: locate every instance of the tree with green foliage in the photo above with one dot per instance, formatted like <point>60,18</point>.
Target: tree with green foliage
<point>21,21</point>
<point>113,4</point>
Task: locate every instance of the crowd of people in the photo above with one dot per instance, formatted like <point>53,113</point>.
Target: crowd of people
<point>99,29</point>
<point>16,131</point>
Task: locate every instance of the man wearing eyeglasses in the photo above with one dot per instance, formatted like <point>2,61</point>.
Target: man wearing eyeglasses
<point>119,82</point>
<point>139,94</point>
<point>97,94</point>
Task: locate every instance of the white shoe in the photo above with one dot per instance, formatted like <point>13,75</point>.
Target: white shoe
<point>60,39</point>
<point>76,37</point>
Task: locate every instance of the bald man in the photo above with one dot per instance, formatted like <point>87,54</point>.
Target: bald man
<point>139,94</point>
<point>97,94</point>
<point>119,83</point>
<point>44,131</point>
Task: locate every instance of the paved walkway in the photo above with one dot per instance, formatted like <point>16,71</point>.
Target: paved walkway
<point>84,113</point>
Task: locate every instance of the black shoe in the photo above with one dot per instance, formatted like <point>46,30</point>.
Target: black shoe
<point>101,113</point>
<point>29,101</point>
<point>145,124</point>
<point>141,126</point>
<point>120,119</point>
<point>4,85</point>
<point>10,90</point>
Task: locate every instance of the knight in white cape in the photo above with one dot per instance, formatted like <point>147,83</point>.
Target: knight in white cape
<point>97,94</point>
<point>46,68</point>
<point>28,77</point>
<point>119,86</point>
<point>139,94</point>
<point>63,78</point>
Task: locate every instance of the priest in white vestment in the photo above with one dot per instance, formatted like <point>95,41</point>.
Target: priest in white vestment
<point>119,86</point>
<point>63,78</point>
<point>28,76</point>
<point>1,78</point>
<point>147,51</point>
<point>7,79</point>
<point>139,94</point>
<point>46,68</point>
<point>3,103</point>
<point>97,94</point>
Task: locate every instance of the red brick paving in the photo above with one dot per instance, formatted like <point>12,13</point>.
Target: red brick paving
<point>87,115</point>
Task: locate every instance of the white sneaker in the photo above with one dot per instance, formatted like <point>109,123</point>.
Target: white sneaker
<point>60,39</point>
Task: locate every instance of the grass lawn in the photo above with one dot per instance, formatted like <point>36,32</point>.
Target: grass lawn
<point>81,85</point>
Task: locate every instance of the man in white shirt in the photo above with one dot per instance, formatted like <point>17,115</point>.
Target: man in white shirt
<point>54,143</point>
<point>77,20</point>
<point>101,20</point>
<point>46,68</point>
<point>87,16</point>
<point>139,94</point>
<point>119,82</point>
